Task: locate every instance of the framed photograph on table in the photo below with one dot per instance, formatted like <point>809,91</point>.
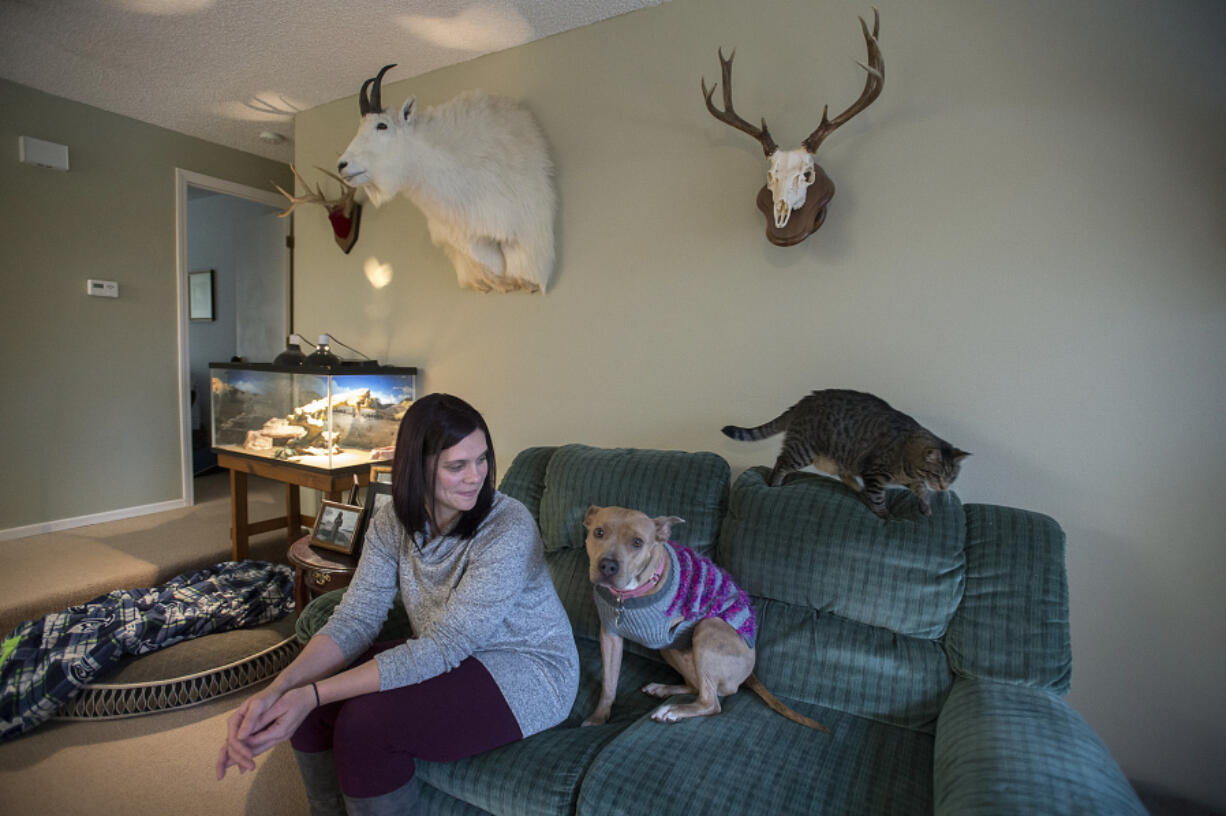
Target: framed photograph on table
<point>381,474</point>
<point>378,494</point>
<point>336,526</point>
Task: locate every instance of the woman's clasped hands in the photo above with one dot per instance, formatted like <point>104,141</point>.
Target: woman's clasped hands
<point>261,722</point>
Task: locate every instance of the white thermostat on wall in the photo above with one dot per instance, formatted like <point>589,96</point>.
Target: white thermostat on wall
<point>42,153</point>
<point>101,288</point>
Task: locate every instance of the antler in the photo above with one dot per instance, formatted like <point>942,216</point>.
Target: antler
<point>873,83</point>
<point>729,116</point>
<point>317,197</point>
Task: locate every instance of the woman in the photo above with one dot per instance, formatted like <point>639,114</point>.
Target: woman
<point>492,659</point>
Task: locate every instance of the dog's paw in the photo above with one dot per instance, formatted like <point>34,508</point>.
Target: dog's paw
<point>664,691</point>
<point>666,714</point>
<point>656,690</point>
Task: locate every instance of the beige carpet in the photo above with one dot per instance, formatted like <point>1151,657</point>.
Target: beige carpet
<point>46,573</point>
<point>159,763</point>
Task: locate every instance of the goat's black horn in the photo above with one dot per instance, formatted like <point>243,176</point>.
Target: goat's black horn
<point>363,101</point>
<point>376,102</point>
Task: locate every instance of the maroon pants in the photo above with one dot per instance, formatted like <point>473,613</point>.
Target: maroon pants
<point>376,737</point>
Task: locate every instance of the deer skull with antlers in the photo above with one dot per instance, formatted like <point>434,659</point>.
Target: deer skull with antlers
<point>344,213</point>
<point>797,190</point>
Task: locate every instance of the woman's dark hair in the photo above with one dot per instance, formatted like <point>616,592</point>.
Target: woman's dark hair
<point>433,424</point>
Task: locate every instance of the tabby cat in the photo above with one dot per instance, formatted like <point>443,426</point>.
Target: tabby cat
<point>852,434</point>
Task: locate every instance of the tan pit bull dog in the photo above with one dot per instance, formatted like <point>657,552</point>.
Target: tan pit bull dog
<point>668,597</point>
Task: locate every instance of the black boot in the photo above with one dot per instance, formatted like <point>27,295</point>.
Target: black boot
<point>322,788</point>
<point>400,802</point>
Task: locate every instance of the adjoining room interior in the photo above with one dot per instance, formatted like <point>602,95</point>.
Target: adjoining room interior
<point>1024,251</point>
<point>239,246</point>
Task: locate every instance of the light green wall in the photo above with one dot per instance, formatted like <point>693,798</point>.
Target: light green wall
<point>90,412</point>
<point>1025,252</point>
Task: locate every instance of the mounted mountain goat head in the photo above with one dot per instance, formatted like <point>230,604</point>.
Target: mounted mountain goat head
<point>797,189</point>
<point>478,168</point>
<point>344,213</point>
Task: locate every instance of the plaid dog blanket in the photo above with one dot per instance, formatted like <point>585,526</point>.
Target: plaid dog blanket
<point>44,663</point>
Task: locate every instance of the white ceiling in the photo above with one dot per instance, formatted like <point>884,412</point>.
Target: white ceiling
<point>229,70</point>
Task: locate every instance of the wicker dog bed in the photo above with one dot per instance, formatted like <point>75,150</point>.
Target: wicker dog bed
<point>188,673</point>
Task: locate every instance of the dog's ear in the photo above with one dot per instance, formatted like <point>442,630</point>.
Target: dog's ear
<point>587,517</point>
<point>664,526</point>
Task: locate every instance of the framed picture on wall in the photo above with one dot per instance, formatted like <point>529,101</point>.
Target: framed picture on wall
<point>335,527</point>
<point>200,305</point>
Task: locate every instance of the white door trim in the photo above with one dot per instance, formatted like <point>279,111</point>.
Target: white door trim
<point>184,179</point>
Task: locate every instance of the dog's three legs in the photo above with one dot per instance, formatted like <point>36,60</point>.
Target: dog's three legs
<point>715,666</point>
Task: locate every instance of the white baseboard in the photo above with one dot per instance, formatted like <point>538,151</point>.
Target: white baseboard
<point>84,521</point>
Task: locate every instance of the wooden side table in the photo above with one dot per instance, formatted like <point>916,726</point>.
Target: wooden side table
<point>317,571</point>
<point>333,483</point>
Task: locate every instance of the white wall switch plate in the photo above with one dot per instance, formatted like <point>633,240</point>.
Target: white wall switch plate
<point>41,153</point>
<point>101,288</point>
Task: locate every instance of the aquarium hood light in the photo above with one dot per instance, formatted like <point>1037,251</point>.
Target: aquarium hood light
<point>321,354</point>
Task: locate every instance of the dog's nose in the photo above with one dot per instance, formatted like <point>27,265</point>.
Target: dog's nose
<point>608,567</point>
<point>341,165</point>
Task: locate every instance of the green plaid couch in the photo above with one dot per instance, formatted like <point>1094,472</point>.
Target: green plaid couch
<point>936,649</point>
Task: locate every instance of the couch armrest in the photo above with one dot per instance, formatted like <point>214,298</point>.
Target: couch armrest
<point>316,613</point>
<point>1009,749</point>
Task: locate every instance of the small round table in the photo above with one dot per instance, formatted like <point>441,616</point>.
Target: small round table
<point>317,571</point>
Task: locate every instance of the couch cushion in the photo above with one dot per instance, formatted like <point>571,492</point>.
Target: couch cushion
<point>1005,748</point>
<point>525,478</point>
<point>1016,596</point>
<point>813,543</point>
<point>850,607</point>
<point>749,759</point>
<point>569,570</point>
<point>542,774</point>
<point>693,486</point>
<point>865,670</point>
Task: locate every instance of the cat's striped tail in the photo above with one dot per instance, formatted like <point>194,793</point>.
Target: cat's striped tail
<point>771,428</point>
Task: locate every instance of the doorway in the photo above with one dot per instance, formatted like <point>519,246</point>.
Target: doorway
<point>232,231</point>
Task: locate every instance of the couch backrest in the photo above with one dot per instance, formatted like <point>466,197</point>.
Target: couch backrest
<point>525,478</point>
<point>857,614</point>
<point>559,484</point>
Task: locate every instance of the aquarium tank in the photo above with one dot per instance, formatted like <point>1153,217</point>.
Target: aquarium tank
<point>323,418</point>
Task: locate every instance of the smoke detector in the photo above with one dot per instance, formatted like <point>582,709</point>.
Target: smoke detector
<point>269,137</point>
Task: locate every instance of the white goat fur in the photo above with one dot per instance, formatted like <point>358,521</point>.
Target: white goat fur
<point>478,167</point>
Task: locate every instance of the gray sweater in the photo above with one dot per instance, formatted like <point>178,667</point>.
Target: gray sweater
<point>490,597</point>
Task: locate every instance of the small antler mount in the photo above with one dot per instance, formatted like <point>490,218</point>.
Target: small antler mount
<point>344,212</point>
<point>797,189</point>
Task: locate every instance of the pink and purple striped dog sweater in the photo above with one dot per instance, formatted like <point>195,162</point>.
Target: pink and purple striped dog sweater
<point>696,588</point>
